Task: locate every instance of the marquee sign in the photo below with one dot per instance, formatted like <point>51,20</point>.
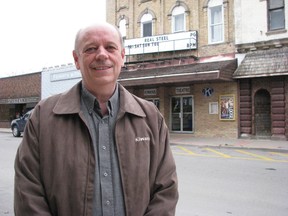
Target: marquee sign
<point>161,43</point>
<point>182,90</point>
<point>74,74</point>
<point>20,100</point>
<point>149,92</point>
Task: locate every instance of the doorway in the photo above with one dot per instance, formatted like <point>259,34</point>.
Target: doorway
<point>262,107</point>
<point>182,114</point>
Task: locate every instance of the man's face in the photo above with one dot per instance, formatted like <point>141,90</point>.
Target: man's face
<point>99,56</point>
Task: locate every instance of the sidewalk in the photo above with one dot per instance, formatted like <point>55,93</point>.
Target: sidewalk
<point>5,130</point>
<point>264,144</point>
<point>188,139</point>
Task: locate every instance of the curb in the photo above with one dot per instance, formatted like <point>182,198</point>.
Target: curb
<point>275,149</point>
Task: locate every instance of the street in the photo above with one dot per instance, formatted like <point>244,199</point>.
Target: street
<point>212,181</point>
<point>8,148</point>
<point>219,182</point>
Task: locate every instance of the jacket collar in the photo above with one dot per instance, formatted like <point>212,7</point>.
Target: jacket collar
<point>129,104</point>
<point>70,102</point>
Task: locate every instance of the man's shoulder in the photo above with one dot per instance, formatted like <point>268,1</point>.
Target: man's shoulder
<point>65,100</point>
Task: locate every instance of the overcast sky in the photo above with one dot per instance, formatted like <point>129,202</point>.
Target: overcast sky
<point>40,33</point>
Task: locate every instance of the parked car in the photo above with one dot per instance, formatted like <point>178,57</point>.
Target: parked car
<point>18,125</point>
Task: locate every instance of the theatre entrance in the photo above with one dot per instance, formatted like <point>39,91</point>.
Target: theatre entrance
<point>182,114</point>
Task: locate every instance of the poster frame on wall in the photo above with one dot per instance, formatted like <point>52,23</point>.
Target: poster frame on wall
<point>227,107</point>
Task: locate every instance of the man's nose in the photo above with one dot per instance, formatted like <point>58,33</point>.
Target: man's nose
<point>101,53</point>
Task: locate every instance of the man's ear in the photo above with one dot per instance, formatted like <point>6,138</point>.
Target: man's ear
<point>123,55</point>
<point>75,56</point>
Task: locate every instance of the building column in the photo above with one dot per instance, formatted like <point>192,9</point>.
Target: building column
<point>245,107</point>
<point>278,109</point>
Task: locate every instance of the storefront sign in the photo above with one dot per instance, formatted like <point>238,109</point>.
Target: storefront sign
<point>161,43</point>
<point>149,92</point>
<point>182,90</point>
<point>65,75</point>
<point>19,100</point>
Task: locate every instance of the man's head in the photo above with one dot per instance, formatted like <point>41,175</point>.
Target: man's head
<point>99,55</point>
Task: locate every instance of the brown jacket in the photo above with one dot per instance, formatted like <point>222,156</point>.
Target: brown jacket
<point>54,166</point>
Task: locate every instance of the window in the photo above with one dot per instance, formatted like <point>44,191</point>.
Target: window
<point>216,27</point>
<point>146,25</point>
<point>276,16</point>
<point>122,28</point>
<point>178,19</point>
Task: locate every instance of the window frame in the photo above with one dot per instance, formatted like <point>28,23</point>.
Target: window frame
<point>177,12</point>
<point>212,5</point>
<point>269,17</point>
<point>122,28</point>
<point>146,19</point>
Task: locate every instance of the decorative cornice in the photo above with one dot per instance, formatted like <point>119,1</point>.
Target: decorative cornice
<point>261,45</point>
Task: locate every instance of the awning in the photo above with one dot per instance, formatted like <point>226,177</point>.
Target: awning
<point>272,62</point>
<point>197,72</point>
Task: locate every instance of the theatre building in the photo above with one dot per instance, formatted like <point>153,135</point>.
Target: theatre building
<point>180,55</point>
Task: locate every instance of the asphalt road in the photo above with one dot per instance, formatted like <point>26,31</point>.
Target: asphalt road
<point>212,181</point>
<point>8,148</point>
<point>220,182</point>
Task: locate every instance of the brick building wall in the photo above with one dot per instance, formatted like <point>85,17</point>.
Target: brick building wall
<point>196,16</point>
<point>210,125</point>
<point>259,96</point>
<point>205,124</point>
<point>286,106</point>
<point>278,107</point>
<point>26,85</point>
<point>17,95</point>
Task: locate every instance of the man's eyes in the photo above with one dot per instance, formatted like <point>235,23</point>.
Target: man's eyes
<point>111,47</point>
<point>92,50</point>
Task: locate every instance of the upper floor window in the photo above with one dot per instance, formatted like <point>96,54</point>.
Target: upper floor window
<point>216,21</point>
<point>146,25</point>
<point>178,19</point>
<point>276,14</point>
<point>122,28</point>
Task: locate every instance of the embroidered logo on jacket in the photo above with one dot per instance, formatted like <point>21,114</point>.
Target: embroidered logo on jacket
<point>141,139</point>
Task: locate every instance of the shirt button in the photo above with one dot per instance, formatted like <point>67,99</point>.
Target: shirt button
<point>104,147</point>
<point>108,202</point>
<point>105,174</point>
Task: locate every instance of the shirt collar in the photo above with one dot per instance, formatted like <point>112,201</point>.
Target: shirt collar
<point>92,103</point>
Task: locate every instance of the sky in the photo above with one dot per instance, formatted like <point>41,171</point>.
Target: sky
<point>40,33</point>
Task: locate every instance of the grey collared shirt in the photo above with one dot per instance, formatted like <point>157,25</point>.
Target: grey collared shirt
<point>108,193</point>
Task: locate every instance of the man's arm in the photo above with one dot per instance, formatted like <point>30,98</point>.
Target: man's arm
<point>164,196</point>
<point>29,194</point>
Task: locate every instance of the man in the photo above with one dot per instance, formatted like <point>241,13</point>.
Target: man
<point>96,149</point>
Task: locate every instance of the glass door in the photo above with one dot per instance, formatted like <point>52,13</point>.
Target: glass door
<point>182,114</point>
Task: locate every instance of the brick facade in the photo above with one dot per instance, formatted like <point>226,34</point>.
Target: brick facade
<point>18,94</point>
<point>26,85</point>
<point>196,19</point>
<point>253,94</point>
<point>209,125</point>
